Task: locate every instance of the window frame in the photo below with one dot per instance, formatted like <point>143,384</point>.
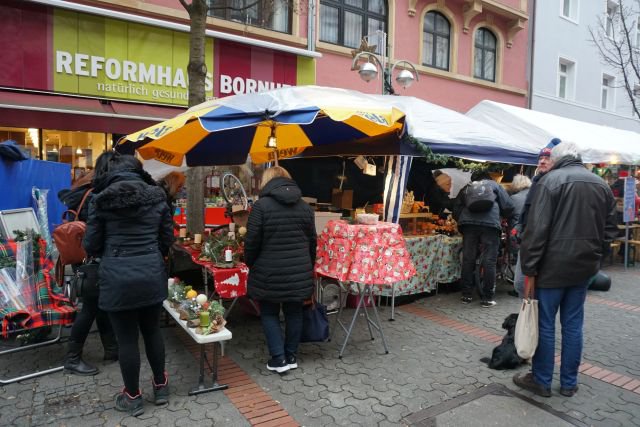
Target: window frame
<point>569,75</point>
<point>363,11</point>
<point>436,35</point>
<point>607,102</point>
<point>483,50</point>
<point>259,14</point>
<point>610,27</point>
<point>574,10</point>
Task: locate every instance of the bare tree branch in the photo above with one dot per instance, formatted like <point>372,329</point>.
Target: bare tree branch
<point>186,6</point>
<point>617,49</point>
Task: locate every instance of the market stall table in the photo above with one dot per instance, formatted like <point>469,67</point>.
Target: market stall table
<point>367,256</point>
<point>202,341</point>
<point>229,283</point>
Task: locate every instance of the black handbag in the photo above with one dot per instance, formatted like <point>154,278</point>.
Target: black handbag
<point>315,323</point>
<point>85,280</point>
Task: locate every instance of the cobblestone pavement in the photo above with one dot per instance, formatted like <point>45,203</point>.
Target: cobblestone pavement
<point>435,345</point>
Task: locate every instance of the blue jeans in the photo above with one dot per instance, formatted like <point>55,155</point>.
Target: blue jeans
<point>570,301</point>
<point>270,317</point>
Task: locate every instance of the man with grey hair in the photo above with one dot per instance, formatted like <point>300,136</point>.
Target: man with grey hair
<point>572,215</point>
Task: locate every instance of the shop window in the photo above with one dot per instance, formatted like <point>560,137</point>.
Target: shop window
<point>436,41</point>
<point>607,92</point>
<point>27,139</point>
<point>79,149</point>
<point>485,55</point>
<point>270,14</point>
<point>346,22</point>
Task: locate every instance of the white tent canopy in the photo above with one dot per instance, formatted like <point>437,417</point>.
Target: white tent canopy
<point>599,144</point>
<point>448,132</point>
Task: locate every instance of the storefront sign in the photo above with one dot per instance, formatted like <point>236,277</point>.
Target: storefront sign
<point>247,69</point>
<point>116,59</point>
<point>238,85</point>
<point>57,50</point>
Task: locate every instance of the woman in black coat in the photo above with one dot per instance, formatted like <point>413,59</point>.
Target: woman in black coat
<point>90,311</point>
<point>280,250</point>
<point>131,229</point>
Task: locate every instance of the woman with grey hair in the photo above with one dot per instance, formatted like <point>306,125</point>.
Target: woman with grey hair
<point>519,191</point>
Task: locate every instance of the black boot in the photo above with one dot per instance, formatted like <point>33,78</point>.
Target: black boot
<point>73,361</point>
<point>110,345</point>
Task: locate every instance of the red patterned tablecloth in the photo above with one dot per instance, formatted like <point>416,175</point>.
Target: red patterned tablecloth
<point>228,282</point>
<point>368,254</point>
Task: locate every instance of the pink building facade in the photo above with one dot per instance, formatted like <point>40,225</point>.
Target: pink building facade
<point>464,51</point>
<point>455,85</point>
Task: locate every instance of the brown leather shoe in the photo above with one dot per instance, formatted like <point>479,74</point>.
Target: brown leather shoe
<point>527,382</point>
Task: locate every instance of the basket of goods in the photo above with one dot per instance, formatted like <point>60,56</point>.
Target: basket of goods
<point>407,202</point>
<point>206,317</point>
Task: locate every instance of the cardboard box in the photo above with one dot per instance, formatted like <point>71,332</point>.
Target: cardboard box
<point>342,199</point>
<point>322,218</point>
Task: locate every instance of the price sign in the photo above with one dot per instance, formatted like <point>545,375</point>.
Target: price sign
<point>629,199</point>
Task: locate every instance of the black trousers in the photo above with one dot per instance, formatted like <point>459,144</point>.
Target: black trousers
<point>126,325</point>
<point>84,320</point>
<point>472,237</point>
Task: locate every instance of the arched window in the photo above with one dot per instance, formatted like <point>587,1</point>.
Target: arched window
<point>436,37</point>
<point>345,22</point>
<point>485,55</point>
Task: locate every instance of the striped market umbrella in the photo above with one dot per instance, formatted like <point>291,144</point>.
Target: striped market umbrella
<point>269,125</point>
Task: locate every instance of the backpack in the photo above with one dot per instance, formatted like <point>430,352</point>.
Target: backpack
<point>479,196</point>
<point>68,236</point>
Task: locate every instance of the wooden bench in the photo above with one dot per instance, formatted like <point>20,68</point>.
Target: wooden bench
<point>633,249</point>
<point>203,340</point>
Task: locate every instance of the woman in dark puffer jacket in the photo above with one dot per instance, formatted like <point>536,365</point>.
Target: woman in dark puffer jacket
<point>280,250</point>
<point>130,228</point>
<point>73,361</point>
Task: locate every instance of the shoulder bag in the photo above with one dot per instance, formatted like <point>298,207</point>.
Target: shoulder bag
<point>68,236</point>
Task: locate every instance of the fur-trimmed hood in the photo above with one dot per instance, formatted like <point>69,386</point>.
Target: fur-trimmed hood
<point>132,195</point>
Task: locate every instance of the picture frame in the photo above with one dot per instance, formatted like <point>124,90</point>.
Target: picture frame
<point>17,219</point>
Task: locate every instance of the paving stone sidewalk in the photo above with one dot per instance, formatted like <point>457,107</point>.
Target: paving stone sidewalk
<point>434,358</point>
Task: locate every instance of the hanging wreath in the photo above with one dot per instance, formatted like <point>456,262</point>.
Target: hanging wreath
<point>441,159</point>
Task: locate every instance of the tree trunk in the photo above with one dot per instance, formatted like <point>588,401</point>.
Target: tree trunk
<point>197,71</point>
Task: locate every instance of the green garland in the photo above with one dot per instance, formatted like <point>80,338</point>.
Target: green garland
<point>429,156</point>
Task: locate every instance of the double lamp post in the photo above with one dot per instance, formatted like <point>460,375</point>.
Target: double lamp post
<point>369,70</point>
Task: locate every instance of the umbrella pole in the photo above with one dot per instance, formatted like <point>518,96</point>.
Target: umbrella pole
<point>276,157</point>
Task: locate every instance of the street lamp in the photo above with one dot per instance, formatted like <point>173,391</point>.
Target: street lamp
<point>369,70</point>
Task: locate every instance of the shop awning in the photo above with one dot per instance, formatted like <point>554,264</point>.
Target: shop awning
<point>48,111</point>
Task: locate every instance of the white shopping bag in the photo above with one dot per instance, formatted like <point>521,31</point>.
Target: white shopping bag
<point>526,338</point>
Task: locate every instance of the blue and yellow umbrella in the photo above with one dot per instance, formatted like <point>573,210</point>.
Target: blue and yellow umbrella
<point>277,124</point>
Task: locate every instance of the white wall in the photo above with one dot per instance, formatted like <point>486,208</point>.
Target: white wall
<point>557,37</point>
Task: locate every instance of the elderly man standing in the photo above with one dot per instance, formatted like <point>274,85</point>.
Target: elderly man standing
<point>544,164</point>
<point>571,217</point>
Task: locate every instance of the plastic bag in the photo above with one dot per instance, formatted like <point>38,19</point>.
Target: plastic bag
<point>9,289</point>
<point>40,198</point>
<point>25,274</point>
<point>526,335</point>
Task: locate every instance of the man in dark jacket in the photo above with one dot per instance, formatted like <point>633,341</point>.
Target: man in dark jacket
<point>481,227</point>
<point>572,215</point>
<point>280,250</point>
